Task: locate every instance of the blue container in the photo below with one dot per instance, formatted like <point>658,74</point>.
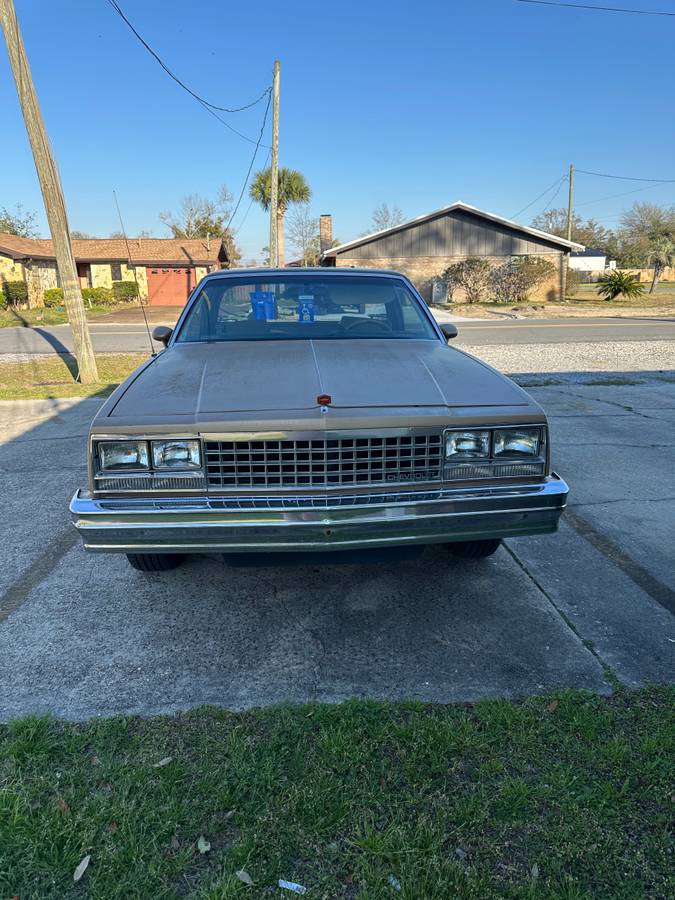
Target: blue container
<point>263,305</point>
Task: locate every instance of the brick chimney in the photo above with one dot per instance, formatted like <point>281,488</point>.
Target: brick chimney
<point>325,232</point>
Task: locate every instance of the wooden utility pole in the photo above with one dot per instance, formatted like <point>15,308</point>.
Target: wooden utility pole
<point>52,194</point>
<point>274,171</point>
<point>570,211</point>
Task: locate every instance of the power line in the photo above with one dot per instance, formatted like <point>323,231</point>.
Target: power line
<point>209,107</point>
<point>543,194</point>
<point>248,208</point>
<point>255,153</point>
<point>627,178</point>
<point>613,196</point>
<point>550,202</point>
<point>616,9</point>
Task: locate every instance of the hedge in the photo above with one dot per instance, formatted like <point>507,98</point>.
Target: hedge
<point>124,290</point>
<point>16,292</point>
<point>53,297</point>
<point>101,296</point>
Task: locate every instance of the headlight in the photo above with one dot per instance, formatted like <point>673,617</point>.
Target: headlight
<point>467,444</point>
<point>123,455</point>
<point>517,443</point>
<point>176,454</point>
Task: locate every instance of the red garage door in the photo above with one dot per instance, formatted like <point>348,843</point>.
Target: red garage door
<point>168,287</point>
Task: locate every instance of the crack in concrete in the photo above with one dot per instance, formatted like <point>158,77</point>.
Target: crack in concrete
<point>610,675</point>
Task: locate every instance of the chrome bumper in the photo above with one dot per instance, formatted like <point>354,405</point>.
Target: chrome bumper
<point>235,524</point>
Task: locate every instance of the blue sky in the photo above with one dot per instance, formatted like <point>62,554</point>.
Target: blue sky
<point>416,104</point>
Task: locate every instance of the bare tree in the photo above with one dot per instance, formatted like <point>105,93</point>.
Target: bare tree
<point>384,218</point>
<point>199,216</point>
<point>303,234</point>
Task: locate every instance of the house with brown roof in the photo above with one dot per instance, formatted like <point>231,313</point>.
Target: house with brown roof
<point>166,268</point>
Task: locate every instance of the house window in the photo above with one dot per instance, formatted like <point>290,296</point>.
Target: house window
<point>116,271</point>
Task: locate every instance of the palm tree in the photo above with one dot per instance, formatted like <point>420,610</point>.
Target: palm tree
<point>662,256</point>
<point>292,188</point>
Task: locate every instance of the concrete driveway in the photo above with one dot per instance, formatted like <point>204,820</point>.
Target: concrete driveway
<point>84,635</point>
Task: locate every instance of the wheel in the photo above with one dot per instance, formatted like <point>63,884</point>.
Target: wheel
<point>474,549</point>
<point>154,562</point>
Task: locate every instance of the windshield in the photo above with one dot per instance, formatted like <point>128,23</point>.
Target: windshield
<point>307,306</point>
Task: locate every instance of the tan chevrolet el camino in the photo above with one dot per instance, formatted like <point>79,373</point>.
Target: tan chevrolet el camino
<point>313,409</point>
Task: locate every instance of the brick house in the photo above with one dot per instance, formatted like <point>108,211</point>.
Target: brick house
<point>166,268</point>
<point>424,247</point>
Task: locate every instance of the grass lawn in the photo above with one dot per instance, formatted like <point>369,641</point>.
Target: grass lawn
<point>12,318</point>
<point>566,796</point>
<point>45,377</point>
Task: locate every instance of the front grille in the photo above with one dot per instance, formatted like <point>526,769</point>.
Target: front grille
<point>324,462</point>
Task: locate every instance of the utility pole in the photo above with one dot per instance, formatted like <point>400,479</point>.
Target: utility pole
<point>570,211</point>
<point>274,172</point>
<point>52,193</point>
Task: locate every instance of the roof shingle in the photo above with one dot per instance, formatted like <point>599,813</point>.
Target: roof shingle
<point>143,250</point>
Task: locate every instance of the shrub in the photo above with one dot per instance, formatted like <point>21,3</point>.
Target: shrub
<point>535,271</point>
<point>16,292</point>
<point>513,280</point>
<point>3,301</point>
<point>617,283</point>
<point>507,284</point>
<point>124,291</point>
<point>53,297</point>
<point>101,296</point>
<point>472,274</point>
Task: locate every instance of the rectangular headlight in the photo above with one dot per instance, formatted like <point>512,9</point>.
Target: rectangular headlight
<point>467,444</point>
<point>517,443</point>
<point>123,455</point>
<point>176,454</point>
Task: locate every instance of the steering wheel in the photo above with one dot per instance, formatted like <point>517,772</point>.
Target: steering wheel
<point>361,323</point>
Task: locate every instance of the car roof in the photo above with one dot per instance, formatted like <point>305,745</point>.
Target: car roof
<point>297,271</point>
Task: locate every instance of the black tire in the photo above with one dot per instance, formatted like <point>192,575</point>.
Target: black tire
<point>474,549</point>
<point>154,562</point>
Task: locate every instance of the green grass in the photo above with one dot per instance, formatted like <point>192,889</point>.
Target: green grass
<point>13,318</point>
<point>46,377</point>
<point>546,798</point>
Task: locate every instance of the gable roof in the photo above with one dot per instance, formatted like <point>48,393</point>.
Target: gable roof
<point>196,251</point>
<point>465,207</point>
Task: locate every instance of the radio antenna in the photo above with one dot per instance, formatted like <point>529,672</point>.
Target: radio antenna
<point>131,266</point>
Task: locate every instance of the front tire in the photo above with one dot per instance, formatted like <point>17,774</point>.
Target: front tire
<point>154,562</point>
<point>474,549</point>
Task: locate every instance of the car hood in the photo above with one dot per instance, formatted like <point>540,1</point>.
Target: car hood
<point>197,380</point>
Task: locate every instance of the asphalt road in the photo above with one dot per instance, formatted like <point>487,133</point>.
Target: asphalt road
<point>132,337</point>
<point>85,635</point>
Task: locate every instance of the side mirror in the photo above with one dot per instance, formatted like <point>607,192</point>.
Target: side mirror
<point>162,333</point>
<point>449,330</point>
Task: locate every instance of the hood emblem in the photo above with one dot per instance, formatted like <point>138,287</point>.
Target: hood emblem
<point>324,399</point>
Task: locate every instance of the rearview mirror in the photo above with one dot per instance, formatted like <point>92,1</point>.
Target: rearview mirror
<point>449,330</point>
<point>162,333</point>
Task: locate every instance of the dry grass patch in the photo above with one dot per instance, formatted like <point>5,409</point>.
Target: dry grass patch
<point>48,377</point>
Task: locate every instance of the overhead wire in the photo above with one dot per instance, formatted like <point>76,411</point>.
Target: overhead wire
<point>211,108</point>
<point>625,177</point>
<point>248,173</point>
<point>614,9</point>
<point>557,183</point>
